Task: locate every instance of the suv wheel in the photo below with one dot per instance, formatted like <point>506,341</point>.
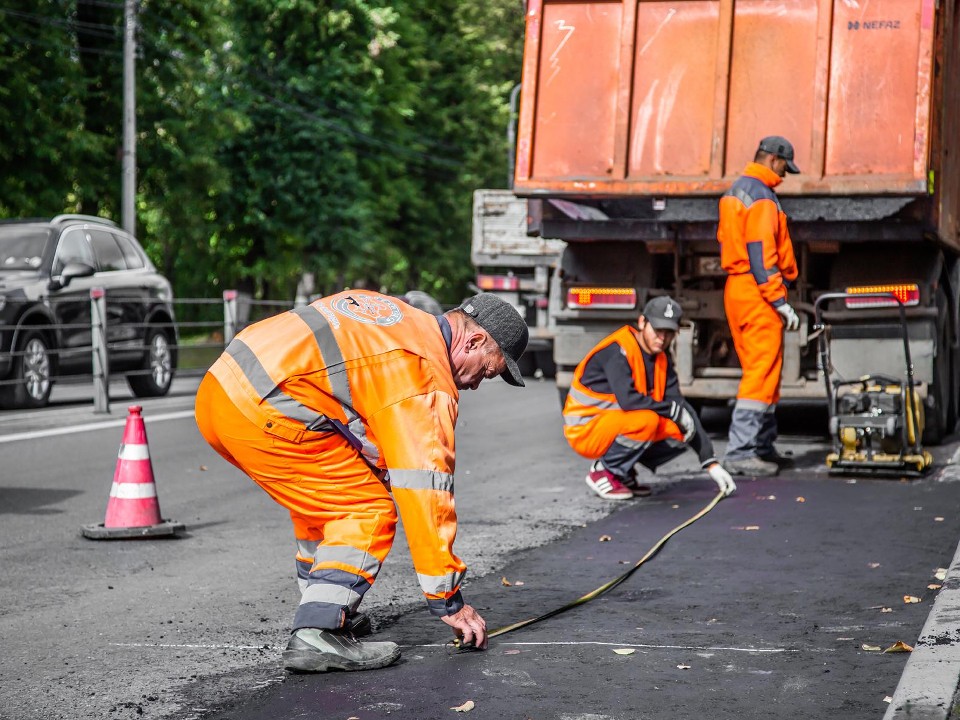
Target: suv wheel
<point>31,373</point>
<point>156,375</point>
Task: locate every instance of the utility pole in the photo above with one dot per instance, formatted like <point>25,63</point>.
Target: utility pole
<point>128,214</point>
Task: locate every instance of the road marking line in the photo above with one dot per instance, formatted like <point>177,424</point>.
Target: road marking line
<point>91,426</point>
<point>195,646</point>
<point>638,645</point>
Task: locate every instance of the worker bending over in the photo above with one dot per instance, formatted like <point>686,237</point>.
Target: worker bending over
<point>756,252</point>
<point>343,411</point>
<point>625,407</point>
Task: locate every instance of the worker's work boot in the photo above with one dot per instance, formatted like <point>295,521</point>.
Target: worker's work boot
<point>314,650</point>
<point>607,485</point>
<point>358,624</point>
<point>782,461</point>
<point>753,466</point>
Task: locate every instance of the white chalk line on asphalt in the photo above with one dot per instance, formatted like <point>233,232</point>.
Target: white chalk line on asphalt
<point>194,646</point>
<point>696,648</point>
<point>92,426</point>
<point>706,648</point>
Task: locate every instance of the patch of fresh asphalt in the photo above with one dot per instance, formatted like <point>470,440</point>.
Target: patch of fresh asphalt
<point>770,606</point>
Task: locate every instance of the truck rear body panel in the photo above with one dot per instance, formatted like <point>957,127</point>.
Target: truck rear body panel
<point>668,98</point>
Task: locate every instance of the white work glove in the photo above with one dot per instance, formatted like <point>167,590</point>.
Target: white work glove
<point>791,320</point>
<point>722,478</point>
<point>682,417</point>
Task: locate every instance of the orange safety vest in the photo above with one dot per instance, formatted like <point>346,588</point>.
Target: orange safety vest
<point>382,369</point>
<point>753,233</point>
<point>584,403</point>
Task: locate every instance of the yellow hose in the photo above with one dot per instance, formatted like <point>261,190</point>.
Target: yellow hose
<point>616,581</point>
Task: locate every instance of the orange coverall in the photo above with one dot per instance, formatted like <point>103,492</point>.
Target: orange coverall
<point>593,421</point>
<point>338,410</point>
<point>756,252</point>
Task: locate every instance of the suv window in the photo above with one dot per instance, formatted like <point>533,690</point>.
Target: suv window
<point>22,249</point>
<point>105,247</point>
<point>74,247</point>
<point>132,258</point>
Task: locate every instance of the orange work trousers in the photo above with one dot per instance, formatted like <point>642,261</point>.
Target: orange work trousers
<point>593,439</point>
<point>344,517</point>
<point>757,332</point>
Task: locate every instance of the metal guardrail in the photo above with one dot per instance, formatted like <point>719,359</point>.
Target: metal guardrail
<point>206,337</point>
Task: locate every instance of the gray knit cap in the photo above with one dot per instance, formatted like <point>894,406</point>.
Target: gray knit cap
<point>504,324</point>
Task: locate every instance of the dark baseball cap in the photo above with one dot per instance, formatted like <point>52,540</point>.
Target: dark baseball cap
<point>503,323</point>
<point>663,313</point>
<point>776,145</point>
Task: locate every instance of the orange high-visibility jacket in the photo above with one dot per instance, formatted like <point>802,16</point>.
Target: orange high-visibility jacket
<point>753,233</point>
<point>382,369</point>
<point>584,403</point>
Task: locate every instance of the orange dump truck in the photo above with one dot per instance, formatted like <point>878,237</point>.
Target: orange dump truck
<point>636,116</point>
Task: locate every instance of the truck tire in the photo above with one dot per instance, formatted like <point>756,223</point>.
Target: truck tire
<point>32,371</point>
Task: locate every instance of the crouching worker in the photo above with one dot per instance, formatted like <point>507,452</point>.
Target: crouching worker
<point>625,407</point>
<point>343,411</point>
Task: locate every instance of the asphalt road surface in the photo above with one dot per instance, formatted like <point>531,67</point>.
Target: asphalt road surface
<point>760,609</point>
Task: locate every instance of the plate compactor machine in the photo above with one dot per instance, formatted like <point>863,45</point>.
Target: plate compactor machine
<point>876,421</point>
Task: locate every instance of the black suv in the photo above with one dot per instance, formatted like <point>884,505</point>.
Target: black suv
<point>47,269</point>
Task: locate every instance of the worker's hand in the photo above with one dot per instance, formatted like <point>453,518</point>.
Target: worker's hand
<point>791,321</point>
<point>722,478</point>
<point>684,420</point>
<point>468,626</point>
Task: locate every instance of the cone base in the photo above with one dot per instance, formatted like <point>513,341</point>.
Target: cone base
<point>162,529</point>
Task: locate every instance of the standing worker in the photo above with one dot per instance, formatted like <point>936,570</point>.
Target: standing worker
<point>756,252</point>
<point>340,409</point>
<point>625,407</point>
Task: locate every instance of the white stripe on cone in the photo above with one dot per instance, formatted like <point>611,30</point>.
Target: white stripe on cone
<point>133,491</point>
<point>134,452</point>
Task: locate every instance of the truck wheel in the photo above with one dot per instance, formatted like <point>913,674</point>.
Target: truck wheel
<point>940,417</point>
<point>31,373</point>
<point>156,375</point>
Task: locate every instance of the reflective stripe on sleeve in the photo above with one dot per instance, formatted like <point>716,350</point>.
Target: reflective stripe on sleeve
<point>441,585</point>
<point>751,405</point>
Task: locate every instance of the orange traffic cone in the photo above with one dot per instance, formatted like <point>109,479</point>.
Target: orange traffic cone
<point>133,510</point>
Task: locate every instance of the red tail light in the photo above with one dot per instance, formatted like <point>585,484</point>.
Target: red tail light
<point>498,282</point>
<point>602,298</point>
<point>906,293</point>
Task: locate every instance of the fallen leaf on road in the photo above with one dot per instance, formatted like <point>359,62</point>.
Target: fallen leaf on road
<point>203,468</point>
<point>504,581</point>
<point>605,538</point>
<point>934,586</point>
<point>873,565</point>
<point>940,574</point>
<point>624,651</point>
<point>899,646</point>
<point>518,583</point>
<point>683,667</point>
<point>801,499</point>
<point>511,652</point>
<point>466,707</point>
<point>938,519</point>
<point>910,599</point>
<point>870,648</point>
<point>888,699</point>
<point>886,610</point>
<point>675,507</point>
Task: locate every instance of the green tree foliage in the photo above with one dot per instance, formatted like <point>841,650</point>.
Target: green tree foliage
<point>274,137</point>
